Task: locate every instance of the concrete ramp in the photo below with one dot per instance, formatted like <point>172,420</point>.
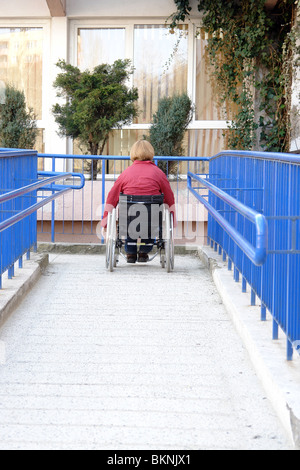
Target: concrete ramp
<point>134,359</point>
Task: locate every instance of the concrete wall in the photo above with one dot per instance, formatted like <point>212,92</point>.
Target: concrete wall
<point>91,8</point>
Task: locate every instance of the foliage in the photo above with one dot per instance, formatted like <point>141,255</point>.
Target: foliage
<point>96,102</point>
<point>250,50</point>
<point>17,123</point>
<point>169,125</point>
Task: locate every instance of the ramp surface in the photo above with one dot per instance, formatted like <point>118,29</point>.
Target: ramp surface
<point>134,359</point>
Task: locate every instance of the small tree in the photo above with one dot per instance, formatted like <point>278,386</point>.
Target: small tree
<point>169,125</point>
<point>96,102</point>
<point>17,123</point>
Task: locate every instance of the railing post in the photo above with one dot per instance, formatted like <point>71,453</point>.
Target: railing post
<point>263,315</point>
<point>236,275</point>
<point>53,209</point>
<point>11,272</point>
<point>253,298</point>
<point>290,350</point>
<point>275,330</point>
<point>103,192</point>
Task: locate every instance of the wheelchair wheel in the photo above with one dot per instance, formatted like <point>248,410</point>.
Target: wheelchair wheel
<point>169,244</point>
<point>162,258</point>
<point>110,261</point>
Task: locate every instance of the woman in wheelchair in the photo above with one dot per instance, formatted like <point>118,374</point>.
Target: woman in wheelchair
<point>142,178</point>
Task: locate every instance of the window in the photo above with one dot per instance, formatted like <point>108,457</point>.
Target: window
<point>206,108</point>
<point>161,65</point>
<point>100,46</point>
<point>21,69</point>
<point>164,63</point>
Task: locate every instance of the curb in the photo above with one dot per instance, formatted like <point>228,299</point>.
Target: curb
<point>98,249</point>
<point>25,278</point>
<point>280,378</point>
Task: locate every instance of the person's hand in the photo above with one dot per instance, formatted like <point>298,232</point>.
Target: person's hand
<point>103,232</point>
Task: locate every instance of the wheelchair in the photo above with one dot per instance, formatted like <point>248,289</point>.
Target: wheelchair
<point>138,219</point>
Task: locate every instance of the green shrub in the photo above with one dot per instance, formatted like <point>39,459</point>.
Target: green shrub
<point>17,123</point>
<point>169,126</point>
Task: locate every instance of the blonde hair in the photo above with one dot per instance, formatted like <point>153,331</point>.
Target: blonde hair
<point>142,150</point>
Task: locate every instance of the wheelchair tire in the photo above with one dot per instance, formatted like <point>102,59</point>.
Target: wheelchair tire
<point>107,253</point>
<point>111,241</point>
<point>169,242</point>
<point>162,258</point>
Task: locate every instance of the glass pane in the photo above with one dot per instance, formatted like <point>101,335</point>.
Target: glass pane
<point>100,46</point>
<point>206,142</point>
<point>119,143</point>
<point>207,107</point>
<point>21,63</point>
<point>161,63</point>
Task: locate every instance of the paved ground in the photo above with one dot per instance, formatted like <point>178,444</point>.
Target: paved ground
<point>135,359</point>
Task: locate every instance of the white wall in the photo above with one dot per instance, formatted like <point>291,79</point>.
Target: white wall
<point>58,50</point>
<point>24,9</point>
<point>92,8</point>
<point>120,8</point>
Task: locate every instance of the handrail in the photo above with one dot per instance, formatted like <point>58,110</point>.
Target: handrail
<point>268,156</point>
<point>118,157</point>
<point>4,153</point>
<point>53,176</point>
<point>40,184</point>
<point>256,254</point>
<point>30,210</point>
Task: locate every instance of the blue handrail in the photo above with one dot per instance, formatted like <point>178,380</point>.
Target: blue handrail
<point>266,156</point>
<point>41,185</point>
<point>256,254</point>
<point>70,158</point>
<point>118,157</point>
<point>20,182</point>
<point>268,184</point>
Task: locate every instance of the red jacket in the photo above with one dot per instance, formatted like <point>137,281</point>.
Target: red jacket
<point>141,178</point>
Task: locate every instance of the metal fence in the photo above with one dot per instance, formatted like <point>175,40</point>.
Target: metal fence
<point>262,240</point>
<point>253,201</point>
<point>20,183</point>
<point>17,169</point>
<point>76,217</point>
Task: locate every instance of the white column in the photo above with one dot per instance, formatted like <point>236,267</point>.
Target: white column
<point>58,50</point>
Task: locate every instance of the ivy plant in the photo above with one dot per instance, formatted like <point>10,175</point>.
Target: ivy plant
<point>251,50</point>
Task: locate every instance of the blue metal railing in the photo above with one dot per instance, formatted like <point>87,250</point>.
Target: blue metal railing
<point>17,169</point>
<point>84,216</point>
<point>19,203</point>
<point>263,244</point>
<point>257,254</point>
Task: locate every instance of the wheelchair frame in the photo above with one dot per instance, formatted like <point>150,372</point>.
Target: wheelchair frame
<point>164,242</point>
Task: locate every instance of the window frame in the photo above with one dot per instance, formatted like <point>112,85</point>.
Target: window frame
<point>129,25</point>
<point>45,26</point>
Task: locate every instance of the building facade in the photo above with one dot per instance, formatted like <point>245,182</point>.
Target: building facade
<point>35,34</point>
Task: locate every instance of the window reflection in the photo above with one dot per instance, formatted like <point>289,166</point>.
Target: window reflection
<point>161,65</point>
<point>21,63</point>
<point>100,46</point>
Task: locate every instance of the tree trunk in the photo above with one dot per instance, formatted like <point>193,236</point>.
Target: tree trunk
<point>94,163</point>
